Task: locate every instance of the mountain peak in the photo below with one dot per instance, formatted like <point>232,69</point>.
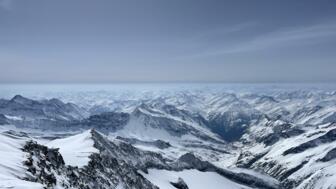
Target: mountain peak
<point>20,99</point>
<point>16,97</point>
<point>76,149</point>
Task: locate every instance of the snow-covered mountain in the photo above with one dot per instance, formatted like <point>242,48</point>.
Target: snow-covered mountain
<point>91,160</point>
<point>126,139</point>
<point>26,112</point>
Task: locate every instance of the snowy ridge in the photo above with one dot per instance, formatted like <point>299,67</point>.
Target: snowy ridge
<point>75,149</point>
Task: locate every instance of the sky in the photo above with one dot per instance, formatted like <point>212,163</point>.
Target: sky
<point>106,41</point>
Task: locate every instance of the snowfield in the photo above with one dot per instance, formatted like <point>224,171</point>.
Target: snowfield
<point>75,149</point>
<point>193,178</point>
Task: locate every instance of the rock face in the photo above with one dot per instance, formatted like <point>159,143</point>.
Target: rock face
<point>156,143</point>
<point>180,184</point>
<point>42,162</point>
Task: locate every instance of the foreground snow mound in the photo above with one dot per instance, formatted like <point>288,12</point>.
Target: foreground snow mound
<point>75,149</point>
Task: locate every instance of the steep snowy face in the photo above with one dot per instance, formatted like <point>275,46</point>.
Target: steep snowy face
<point>76,149</point>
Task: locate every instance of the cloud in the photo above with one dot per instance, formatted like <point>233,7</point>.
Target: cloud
<point>280,38</point>
<point>6,4</point>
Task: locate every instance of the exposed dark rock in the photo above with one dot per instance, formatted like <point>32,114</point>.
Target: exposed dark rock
<point>287,173</point>
<point>47,160</point>
<point>190,161</point>
<point>157,143</point>
<point>180,184</point>
<point>329,156</point>
<point>207,147</point>
<point>276,136</point>
<point>330,136</point>
<point>246,159</point>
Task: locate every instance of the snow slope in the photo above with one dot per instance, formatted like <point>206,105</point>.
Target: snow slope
<point>75,149</point>
<point>193,178</point>
<point>11,166</point>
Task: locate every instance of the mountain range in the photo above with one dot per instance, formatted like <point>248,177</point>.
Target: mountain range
<point>278,139</point>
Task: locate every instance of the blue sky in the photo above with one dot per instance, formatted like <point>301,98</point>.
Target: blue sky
<point>102,41</point>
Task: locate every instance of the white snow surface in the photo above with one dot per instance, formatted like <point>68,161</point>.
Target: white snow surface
<point>11,166</point>
<point>76,149</point>
<point>193,178</point>
<point>16,118</point>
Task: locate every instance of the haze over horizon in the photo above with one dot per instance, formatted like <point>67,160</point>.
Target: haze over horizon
<point>81,41</point>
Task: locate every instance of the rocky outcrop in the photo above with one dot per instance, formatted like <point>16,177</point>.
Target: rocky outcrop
<point>180,184</point>
<point>156,143</point>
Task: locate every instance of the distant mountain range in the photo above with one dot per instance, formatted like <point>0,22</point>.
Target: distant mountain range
<point>284,139</point>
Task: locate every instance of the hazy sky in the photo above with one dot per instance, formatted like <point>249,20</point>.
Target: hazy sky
<point>83,41</point>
